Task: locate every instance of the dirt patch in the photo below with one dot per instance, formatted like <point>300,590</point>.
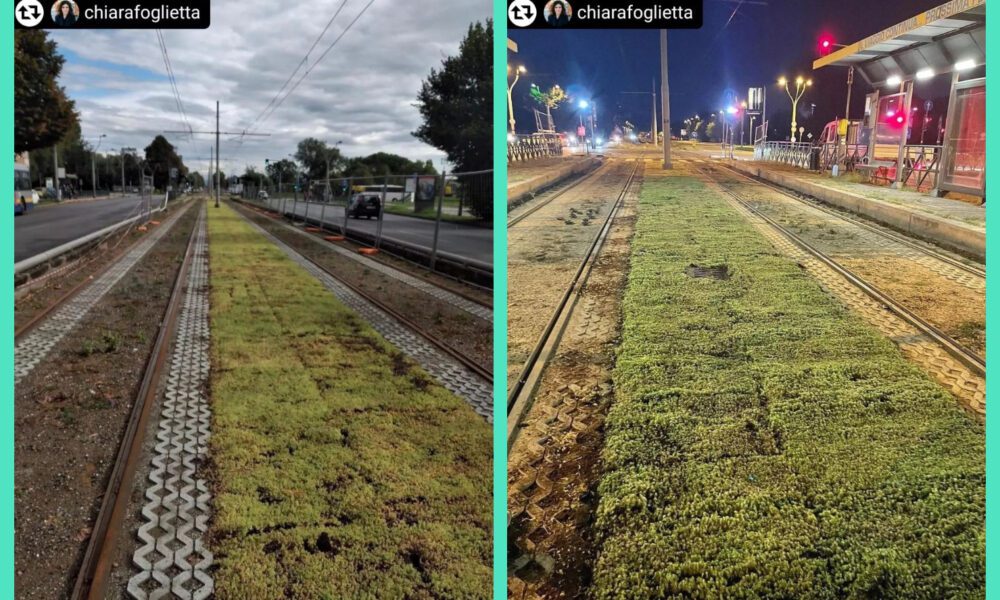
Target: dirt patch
<point>949,306</point>
<point>70,413</point>
<point>544,252</point>
<point>469,335</point>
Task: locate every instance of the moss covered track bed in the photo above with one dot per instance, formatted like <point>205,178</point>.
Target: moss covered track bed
<point>341,470</point>
<point>767,443</point>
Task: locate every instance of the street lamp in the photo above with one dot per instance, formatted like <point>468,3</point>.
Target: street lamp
<point>800,87</point>
<point>93,164</point>
<point>510,90</point>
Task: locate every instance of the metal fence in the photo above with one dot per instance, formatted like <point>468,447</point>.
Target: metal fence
<point>797,154</point>
<point>443,221</point>
<point>521,148</point>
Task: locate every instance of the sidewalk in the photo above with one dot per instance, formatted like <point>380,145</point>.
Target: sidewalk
<point>951,223</point>
<point>527,177</point>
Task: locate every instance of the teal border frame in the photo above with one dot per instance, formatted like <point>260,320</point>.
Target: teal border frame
<point>7,320</point>
<point>992,305</point>
<point>499,300</point>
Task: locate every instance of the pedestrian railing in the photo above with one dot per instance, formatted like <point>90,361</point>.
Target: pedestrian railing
<point>796,154</point>
<point>522,148</point>
<point>921,166</point>
<point>452,213</point>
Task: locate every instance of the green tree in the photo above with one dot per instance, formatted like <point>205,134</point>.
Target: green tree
<point>456,103</point>
<point>550,99</point>
<point>282,172</point>
<point>160,158</point>
<point>43,113</point>
<point>196,179</point>
<point>313,154</point>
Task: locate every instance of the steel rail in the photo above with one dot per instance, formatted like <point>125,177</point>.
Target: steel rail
<point>98,560</point>
<point>566,188</point>
<point>519,398</point>
<point>49,309</point>
<point>967,357</point>
<point>880,230</point>
<point>476,368</point>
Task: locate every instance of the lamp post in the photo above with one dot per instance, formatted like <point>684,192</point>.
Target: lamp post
<point>800,88</point>
<point>93,164</point>
<point>510,91</point>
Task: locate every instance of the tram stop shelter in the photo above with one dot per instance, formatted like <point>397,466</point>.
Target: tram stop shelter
<point>948,40</point>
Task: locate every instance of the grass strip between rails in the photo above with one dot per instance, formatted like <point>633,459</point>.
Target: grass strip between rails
<point>767,443</point>
<point>341,469</point>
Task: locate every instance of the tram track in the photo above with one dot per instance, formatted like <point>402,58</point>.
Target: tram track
<point>94,573</point>
<point>551,195</point>
<point>878,230</point>
<point>452,368</point>
<point>520,397</point>
<point>956,366</point>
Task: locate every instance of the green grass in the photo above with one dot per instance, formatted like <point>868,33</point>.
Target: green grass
<point>341,469</point>
<point>767,443</point>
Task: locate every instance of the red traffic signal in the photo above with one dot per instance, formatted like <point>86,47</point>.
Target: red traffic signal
<point>825,44</point>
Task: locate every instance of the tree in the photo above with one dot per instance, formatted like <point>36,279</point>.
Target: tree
<point>43,113</point>
<point>196,179</point>
<point>456,103</point>
<point>550,99</point>
<point>314,154</point>
<point>384,163</point>
<point>282,171</point>
<point>160,158</point>
<point>255,177</point>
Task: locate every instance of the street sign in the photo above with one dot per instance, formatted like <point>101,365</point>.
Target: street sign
<point>755,100</point>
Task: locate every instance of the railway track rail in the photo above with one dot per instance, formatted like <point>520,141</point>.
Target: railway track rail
<point>553,194</point>
<point>464,302</point>
<point>956,367</point>
<point>93,576</point>
<point>450,367</point>
<point>970,359</point>
<point>520,396</point>
<point>860,222</point>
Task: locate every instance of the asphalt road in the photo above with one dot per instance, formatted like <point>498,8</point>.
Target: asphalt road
<point>49,225</point>
<point>465,241</point>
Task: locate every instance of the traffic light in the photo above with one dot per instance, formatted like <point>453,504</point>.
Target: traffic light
<point>825,44</point>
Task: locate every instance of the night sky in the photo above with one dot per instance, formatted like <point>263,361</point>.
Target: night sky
<point>764,40</point>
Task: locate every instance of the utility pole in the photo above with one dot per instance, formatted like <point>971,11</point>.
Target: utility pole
<point>850,83</point>
<point>216,133</point>
<point>665,94</point>
<point>654,113</point>
<point>55,172</point>
<point>211,163</point>
<point>123,171</point>
<point>218,186</point>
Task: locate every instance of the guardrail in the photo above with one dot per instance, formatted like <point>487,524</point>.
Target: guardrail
<point>53,253</point>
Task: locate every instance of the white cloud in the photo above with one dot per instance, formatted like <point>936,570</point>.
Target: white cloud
<point>362,92</point>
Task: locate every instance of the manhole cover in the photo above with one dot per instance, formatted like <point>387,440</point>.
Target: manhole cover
<point>715,272</point>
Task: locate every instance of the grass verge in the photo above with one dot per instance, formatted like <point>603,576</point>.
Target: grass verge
<point>767,443</point>
<point>341,469</point>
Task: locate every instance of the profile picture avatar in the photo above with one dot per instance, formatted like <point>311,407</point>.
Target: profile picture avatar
<point>65,13</point>
<point>558,13</point>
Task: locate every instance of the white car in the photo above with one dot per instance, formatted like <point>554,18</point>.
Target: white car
<point>262,195</point>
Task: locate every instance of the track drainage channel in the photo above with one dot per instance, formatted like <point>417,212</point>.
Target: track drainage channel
<point>172,562</point>
<point>720,272</point>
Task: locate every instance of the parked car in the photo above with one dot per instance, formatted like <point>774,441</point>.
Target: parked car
<point>364,205</point>
<point>262,195</point>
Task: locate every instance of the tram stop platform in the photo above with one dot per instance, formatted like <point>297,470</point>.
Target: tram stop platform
<point>956,224</point>
<point>530,176</point>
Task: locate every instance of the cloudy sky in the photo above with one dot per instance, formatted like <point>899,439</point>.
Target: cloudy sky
<point>361,93</point>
